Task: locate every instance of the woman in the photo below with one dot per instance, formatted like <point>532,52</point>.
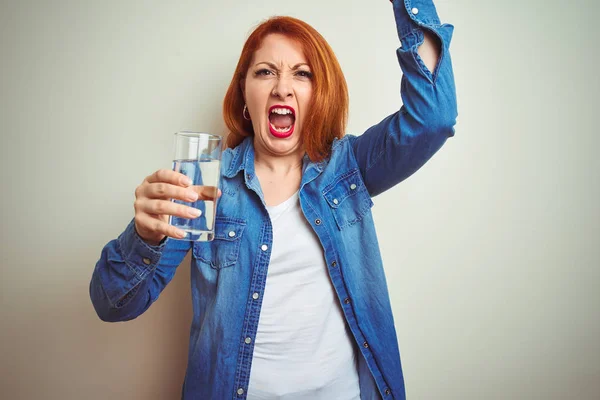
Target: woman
<point>290,299</point>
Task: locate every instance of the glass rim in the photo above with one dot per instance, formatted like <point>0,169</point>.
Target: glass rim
<point>192,134</point>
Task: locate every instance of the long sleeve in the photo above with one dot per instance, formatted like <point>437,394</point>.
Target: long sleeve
<point>395,148</point>
<point>130,274</point>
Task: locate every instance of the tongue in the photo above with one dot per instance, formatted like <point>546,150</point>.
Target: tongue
<point>281,121</point>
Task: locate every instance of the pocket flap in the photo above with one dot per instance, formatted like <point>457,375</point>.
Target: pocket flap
<point>345,186</point>
<point>229,229</point>
<point>223,250</point>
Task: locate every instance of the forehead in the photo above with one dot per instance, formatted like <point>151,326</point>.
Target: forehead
<point>279,49</point>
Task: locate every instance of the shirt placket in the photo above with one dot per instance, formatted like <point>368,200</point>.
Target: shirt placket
<point>336,275</point>
<point>253,306</point>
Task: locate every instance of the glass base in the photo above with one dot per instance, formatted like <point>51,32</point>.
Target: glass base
<point>197,236</point>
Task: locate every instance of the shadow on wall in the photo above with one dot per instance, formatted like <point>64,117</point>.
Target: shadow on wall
<point>57,348</point>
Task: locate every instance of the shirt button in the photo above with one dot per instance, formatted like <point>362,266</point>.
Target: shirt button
<point>352,187</point>
<point>318,221</point>
<point>347,300</point>
<point>366,345</point>
<point>240,391</point>
<point>387,392</point>
<point>334,264</point>
<point>248,340</point>
<point>255,296</point>
<point>232,234</point>
<point>264,247</point>
<point>336,201</point>
<point>415,10</point>
<point>249,176</point>
<point>146,261</point>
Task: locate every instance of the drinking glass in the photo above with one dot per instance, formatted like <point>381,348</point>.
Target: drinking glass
<point>197,155</point>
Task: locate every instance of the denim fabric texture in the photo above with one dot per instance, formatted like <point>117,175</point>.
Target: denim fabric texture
<point>228,274</point>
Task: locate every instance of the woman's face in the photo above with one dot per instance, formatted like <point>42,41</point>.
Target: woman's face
<point>277,90</point>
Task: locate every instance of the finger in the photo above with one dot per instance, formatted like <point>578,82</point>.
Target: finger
<point>169,176</point>
<point>206,192</point>
<point>161,190</point>
<point>158,227</point>
<point>166,207</point>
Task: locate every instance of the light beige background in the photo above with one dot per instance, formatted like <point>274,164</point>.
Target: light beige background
<point>491,250</point>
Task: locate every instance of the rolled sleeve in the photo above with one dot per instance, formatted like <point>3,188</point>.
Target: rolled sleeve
<point>400,144</point>
<point>411,14</point>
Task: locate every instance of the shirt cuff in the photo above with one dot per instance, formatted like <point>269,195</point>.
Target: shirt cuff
<point>411,14</point>
<point>139,255</point>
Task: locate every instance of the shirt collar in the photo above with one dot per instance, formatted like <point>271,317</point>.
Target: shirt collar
<point>242,159</point>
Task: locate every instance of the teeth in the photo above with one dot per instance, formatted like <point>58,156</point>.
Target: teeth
<point>281,111</point>
<point>281,130</point>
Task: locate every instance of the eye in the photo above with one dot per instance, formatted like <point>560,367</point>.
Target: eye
<point>263,72</point>
<point>304,74</point>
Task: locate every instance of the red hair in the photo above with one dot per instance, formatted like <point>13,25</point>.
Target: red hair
<point>328,110</point>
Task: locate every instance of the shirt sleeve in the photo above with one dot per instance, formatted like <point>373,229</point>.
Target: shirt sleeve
<point>131,274</point>
<point>392,150</point>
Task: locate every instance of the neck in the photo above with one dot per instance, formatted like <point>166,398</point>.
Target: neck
<point>278,164</point>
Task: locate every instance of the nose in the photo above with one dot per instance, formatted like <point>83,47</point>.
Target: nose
<point>282,88</point>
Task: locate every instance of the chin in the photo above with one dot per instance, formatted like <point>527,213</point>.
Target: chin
<point>280,145</point>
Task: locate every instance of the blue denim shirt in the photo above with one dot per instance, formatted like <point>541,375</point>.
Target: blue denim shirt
<point>228,274</point>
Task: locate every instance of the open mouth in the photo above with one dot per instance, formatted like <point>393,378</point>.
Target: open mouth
<point>281,121</point>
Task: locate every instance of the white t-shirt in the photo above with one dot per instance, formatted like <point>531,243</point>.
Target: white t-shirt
<point>303,349</point>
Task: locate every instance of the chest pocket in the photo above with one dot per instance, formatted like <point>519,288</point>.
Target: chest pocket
<point>224,249</point>
<point>348,198</point>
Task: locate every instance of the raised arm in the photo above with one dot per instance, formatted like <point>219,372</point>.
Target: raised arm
<point>395,148</point>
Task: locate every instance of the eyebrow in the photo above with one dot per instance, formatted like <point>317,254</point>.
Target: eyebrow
<point>275,66</point>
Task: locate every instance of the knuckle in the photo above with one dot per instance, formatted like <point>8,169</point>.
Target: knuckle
<point>159,207</point>
<point>161,189</point>
<point>163,174</point>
